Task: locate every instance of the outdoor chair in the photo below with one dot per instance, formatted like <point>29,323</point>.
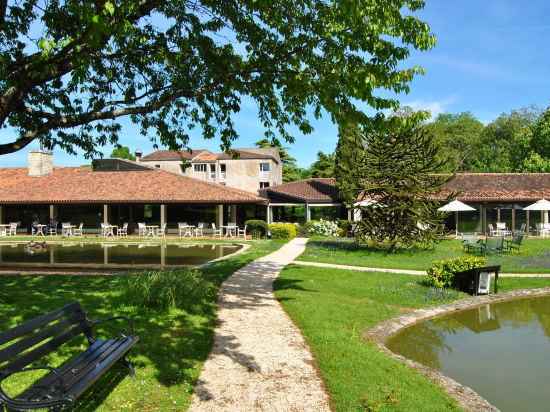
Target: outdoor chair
<point>66,229</point>
<point>52,228</point>
<point>122,231</point>
<point>106,230</point>
<point>142,229</point>
<point>494,245</point>
<point>522,230</point>
<point>199,230</point>
<point>161,231</point>
<point>182,228</point>
<point>79,231</point>
<point>515,244</point>
<point>470,242</point>
<point>492,231</point>
<point>502,230</point>
<point>241,232</point>
<point>12,230</point>
<point>216,232</point>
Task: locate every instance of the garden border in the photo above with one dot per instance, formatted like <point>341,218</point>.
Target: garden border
<point>467,398</point>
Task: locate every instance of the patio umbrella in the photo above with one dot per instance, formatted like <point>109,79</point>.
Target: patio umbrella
<point>543,205</point>
<point>456,206</point>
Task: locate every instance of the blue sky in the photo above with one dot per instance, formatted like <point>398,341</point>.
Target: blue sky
<point>492,56</point>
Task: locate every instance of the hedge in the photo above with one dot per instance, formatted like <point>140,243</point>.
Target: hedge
<point>283,230</point>
<point>257,228</point>
<point>441,274</point>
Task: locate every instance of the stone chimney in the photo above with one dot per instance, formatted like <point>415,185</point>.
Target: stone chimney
<point>138,155</point>
<point>40,163</point>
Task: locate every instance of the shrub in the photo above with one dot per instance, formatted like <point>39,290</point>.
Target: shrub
<point>323,228</point>
<point>441,274</point>
<point>345,227</point>
<point>183,289</point>
<point>257,228</point>
<point>283,230</point>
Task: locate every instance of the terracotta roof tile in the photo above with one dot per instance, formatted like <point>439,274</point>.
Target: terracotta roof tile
<point>82,185</point>
<point>206,156</point>
<point>162,155</point>
<point>314,190</point>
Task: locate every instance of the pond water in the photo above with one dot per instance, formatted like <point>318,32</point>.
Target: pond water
<point>108,255</point>
<point>502,351</point>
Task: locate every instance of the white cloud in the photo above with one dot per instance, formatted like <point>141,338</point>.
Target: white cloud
<point>435,107</point>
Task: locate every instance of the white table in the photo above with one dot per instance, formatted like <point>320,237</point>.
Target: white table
<point>67,230</point>
<point>230,230</point>
<point>109,230</point>
<point>187,230</point>
<point>151,230</point>
<point>4,229</point>
<point>39,229</point>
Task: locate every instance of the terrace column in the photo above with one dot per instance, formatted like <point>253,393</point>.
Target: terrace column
<point>1,214</point>
<point>269,215</point>
<point>233,213</point>
<point>481,218</point>
<point>162,215</point>
<point>106,214</point>
<point>498,214</point>
<point>219,216</point>
<point>308,213</point>
<point>52,212</point>
<point>513,218</point>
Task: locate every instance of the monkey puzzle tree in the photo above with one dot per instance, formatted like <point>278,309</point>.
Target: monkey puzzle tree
<point>395,166</point>
<point>71,69</point>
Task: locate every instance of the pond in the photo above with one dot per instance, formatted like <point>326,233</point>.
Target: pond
<point>109,255</point>
<point>502,351</point>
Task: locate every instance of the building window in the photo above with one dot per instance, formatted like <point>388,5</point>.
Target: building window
<point>223,169</point>
<point>263,185</point>
<point>200,168</point>
<point>265,167</point>
<point>157,166</point>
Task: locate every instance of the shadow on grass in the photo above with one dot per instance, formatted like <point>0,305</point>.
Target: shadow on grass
<point>350,245</point>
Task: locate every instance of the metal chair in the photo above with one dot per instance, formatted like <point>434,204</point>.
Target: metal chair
<point>216,232</point>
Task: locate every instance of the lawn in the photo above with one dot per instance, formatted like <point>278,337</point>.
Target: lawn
<point>334,307</point>
<point>173,343</point>
<point>534,256</point>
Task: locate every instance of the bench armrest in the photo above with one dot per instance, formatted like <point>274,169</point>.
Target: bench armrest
<point>23,405</point>
<point>126,318</point>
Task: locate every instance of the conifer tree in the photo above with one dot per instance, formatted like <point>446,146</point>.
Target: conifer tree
<point>396,164</point>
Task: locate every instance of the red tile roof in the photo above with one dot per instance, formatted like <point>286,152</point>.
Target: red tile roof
<point>499,187</point>
<point>82,185</point>
<point>314,190</point>
<point>207,156</point>
<point>161,155</point>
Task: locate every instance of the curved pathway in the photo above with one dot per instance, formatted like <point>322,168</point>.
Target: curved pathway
<point>405,271</point>
<point>260,361</point>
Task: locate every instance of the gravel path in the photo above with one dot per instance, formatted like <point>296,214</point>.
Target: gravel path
<point>260,361</point>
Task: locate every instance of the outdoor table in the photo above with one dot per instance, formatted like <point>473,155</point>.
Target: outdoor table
<point>188,230</point>
<point>67,230</point>
<point>4,230</point>
<point>151,230</point>
<point>39,229</point>
<point>109,230</point>
<point>230,230</point>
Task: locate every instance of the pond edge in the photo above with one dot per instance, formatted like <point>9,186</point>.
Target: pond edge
<point>467,398</point>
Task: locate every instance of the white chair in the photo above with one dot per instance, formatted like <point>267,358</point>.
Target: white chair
<point>161,231</point>
<point>66,229</point>
<point>492,231</point>
<point>12,229</point>
<point>199,230</point>
<point>182,229</point>
<point>216,232</point>
<point>79,231</point>
<point>241,232</point>
<point>142,229</point>
<point>122,231</point>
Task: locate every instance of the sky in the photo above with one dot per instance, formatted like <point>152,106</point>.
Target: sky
<point>491,57</point>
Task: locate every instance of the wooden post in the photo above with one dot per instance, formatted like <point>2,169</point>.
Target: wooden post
<point>162,215</point>
<point>106,214</point>
<point>513,219</point>
<point>219,216</point>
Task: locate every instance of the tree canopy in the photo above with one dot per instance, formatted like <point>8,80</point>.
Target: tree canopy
<point>70,70</point>
<point>122,152</point>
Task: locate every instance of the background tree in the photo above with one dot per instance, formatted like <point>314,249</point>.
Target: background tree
<point>171,66</point>
<point>396,163</point>
<point>122,152</point>
<point>323,166</point>
<point>458,135</point>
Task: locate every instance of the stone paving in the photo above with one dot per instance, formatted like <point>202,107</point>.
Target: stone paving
<point>260,361</point>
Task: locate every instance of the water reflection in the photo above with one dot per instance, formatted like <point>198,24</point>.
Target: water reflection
<point>111,254</point>
<point>500,350</point>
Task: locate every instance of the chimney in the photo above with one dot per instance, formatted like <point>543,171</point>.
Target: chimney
<point>138,155</point>
<point>40,163</point>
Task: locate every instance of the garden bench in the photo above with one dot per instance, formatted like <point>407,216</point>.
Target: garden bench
<point>477,281</point>
<point>24,346</point>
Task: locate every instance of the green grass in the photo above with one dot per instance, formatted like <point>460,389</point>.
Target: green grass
<point>334,307</point>
<point>173,344</point>
<point>534,256</point>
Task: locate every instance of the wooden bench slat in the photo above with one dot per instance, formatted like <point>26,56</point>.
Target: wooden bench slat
<point>37,322</point>
<point>34,339</point>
